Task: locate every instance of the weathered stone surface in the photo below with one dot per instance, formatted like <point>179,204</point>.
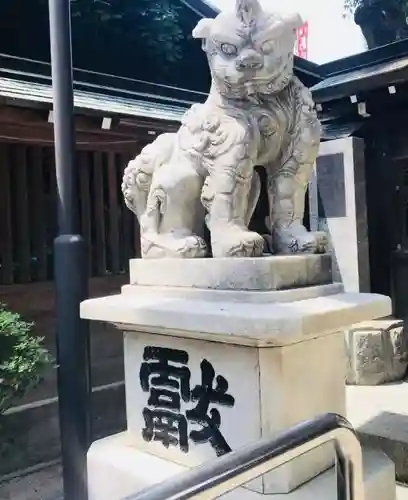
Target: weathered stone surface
<point>380,416</point>
<point>389,433</point>
<point>257,114</point>
<point>269,273</point>
<point>377,352</point>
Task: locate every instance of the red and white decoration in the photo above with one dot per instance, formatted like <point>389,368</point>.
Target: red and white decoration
<point>301,48</point>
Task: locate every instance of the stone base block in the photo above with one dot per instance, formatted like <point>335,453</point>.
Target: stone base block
<point>256,393</point>
<point>377,352</point>
<point>116,470</point>
<point>267,273</point>
<point>380,415</point>
<point>230,320</point>
<point>388,432</point>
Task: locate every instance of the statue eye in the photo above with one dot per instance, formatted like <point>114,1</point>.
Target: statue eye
<point>228,49</point>
<point>268,46</point>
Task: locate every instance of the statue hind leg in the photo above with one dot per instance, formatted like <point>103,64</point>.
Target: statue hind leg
<point>138,175</point>
<point>165,196</point>
<point>173,222</point>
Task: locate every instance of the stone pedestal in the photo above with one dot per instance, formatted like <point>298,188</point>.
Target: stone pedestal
<point>269,391</point>
<point>222,352</point>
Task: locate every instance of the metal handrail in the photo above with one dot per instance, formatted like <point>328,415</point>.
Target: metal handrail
<point>237,468</point>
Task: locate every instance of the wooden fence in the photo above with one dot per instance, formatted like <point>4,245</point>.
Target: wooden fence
<point>28,212</point>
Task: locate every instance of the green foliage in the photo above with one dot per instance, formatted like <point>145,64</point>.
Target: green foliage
<point>149,25</point>
<point>22,358</point>
<point>141,39</point>
<point>351,5</point>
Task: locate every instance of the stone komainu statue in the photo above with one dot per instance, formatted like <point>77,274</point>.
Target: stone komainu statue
<point>257,113</point>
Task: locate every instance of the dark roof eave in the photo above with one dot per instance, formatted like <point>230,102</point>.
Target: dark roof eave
<point>27,70</point>
<point>30,94</point>
<point>366,59</point>
<point>308,68</point>
<point>361,80</point>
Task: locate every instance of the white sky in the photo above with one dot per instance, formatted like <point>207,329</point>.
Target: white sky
<point>330,35</point>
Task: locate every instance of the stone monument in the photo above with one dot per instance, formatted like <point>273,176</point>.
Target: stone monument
<point>222,351</point>
<point>257,113</point>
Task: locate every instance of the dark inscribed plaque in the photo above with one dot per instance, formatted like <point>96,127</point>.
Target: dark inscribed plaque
<point>331,186</point>
<point>165,375</point>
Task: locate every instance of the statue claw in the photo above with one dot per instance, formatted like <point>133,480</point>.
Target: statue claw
<point>238,243</point>
<point>155,246</point>
<point>287,241</point>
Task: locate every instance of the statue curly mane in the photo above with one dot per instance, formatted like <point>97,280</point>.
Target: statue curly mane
<point>247,11</point>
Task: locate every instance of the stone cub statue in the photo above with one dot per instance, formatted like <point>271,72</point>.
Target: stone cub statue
<point>257,113</point>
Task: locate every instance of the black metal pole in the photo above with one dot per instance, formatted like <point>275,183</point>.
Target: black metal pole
<point>70,269</point>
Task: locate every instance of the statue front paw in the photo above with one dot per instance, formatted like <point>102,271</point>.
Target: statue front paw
<point>237,242</point>
<point>170,245</point>
<point>287,240</point>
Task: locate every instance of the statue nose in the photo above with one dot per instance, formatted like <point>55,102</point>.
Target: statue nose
<point>249,60</point>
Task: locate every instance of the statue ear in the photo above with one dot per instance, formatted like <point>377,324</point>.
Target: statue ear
<point>202,30</point>
<point>293,21</point>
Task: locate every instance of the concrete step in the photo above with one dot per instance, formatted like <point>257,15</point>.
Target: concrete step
<point>46,484</point>
<point>117,469</point>
<point>402,492</point>
<point>380,415</point>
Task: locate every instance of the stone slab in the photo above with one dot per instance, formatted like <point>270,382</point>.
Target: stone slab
<point>245,323</point>
<point>380,414</point>
<point>402,492</point>
<point>366,403</point>
<point>239,296</point>
<point>273,396</point>
<point>377,352</point>
<point>116,469</point>
<point>337,204</point>
<point>389,433</point>
<point>263,273</point>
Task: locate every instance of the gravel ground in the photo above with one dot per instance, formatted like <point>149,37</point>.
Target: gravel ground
<point>45,484</point>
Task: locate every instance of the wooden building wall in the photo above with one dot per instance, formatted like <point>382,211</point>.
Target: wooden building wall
<point>28,225</point>
<point>28,197</point>
<point>387,206</point>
